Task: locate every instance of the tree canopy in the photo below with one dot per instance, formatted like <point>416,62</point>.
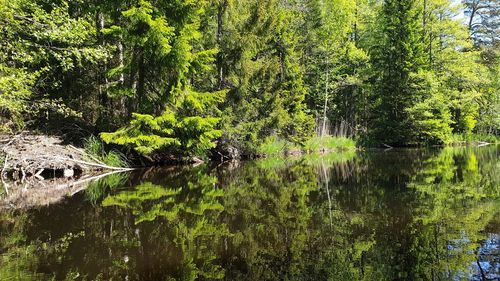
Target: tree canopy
<point>177,77</point>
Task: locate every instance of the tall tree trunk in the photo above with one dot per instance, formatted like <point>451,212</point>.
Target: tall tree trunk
<point>141,86</point>
<point>355,27</point>
<point>133,82</point>
<point>220,29</point>
<point>121,61</point>
<point>424,15</point>
<point>103,79</point>
<point>121,81</point>
<point>431,38</point>
<point>473,11</point>
<point>282,66</point>
<point>323,129</point>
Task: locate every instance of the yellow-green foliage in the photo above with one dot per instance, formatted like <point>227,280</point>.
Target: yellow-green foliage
<point>430,116</point>
<point>40,45</point>
<point>168,39</point>
<point>464,139</point>
<point>273,146</point>
<point>186,130</point>
<point>15,89</point>
<point>97,190</point>
<point>167,133</point>
<point>329,143</point>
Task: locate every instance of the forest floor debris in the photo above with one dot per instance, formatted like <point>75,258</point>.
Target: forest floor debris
<point>42,169</point>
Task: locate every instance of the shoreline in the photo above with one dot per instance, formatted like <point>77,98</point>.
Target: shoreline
<point>40,169</point>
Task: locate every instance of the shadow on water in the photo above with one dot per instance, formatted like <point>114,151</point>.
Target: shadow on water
<point>394,215</point>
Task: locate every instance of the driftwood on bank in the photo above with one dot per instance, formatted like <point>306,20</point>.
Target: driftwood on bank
<point>40,170</point>
<point>43,157</point>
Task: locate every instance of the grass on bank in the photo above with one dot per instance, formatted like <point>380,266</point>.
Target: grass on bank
<point>276,147</point>
<point>329,143</point>
<point>95,148</point>
<point>315,159</point>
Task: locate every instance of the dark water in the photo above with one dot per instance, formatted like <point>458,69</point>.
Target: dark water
<point>394,215</point>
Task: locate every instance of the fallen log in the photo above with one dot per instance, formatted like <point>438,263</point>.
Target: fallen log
<point>86,154</point>
<point>43,157</point>
<point>482,143</point>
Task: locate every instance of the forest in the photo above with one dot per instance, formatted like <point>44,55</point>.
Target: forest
<point>370,131</point>
<point>165,77</point>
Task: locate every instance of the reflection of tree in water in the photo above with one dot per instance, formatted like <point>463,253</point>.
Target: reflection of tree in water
<point>487,266</point>
<point>183,221</point>
<point>147,233</point>
<point>387,198</point>
<point>97,190</point>
<point>18,261</point>
<point>379,216</point>
<point>457,202</point>
<point>282,226</point>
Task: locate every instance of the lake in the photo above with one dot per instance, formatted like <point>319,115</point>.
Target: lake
<point>413,214</point>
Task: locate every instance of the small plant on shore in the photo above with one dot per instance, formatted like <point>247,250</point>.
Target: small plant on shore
<point>272,146</point>
<point>95,148</point>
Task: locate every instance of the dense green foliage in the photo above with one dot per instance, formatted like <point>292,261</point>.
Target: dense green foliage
<point>174,77</point>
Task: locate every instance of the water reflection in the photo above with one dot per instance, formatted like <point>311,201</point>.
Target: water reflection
<point>395,215</point>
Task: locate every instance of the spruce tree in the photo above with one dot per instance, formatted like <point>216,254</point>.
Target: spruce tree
<point>396,58</point>
<point>188,123</point>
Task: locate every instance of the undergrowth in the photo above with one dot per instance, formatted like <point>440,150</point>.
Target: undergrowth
<point>329,143</point>
<point>95,148</point>
<point>275,147</point>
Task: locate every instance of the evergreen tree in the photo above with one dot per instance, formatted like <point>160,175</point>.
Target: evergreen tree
<point>264,76</point>
<point>187,125</point>
<point>398,56</point>
<point>175,77</point>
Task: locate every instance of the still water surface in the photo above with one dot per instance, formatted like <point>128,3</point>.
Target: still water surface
<point>374,215</point>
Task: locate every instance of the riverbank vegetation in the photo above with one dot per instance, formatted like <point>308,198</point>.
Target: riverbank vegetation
<point>314,145</point>
<point>96,151</point>
<point>182,78</point>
